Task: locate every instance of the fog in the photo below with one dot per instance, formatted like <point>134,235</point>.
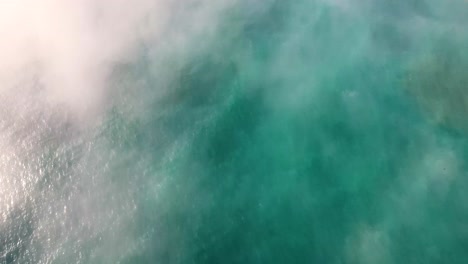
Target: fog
<point>233,131</point>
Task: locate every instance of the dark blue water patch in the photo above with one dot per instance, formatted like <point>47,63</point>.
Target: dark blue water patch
<point>266,182</point>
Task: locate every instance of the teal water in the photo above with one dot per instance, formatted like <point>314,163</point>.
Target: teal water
<point>295,132</point>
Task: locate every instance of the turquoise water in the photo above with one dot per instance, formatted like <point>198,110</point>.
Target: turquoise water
<point>295,132</point>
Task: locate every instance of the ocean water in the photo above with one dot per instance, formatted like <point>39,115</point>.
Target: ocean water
<point>240,131</point>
